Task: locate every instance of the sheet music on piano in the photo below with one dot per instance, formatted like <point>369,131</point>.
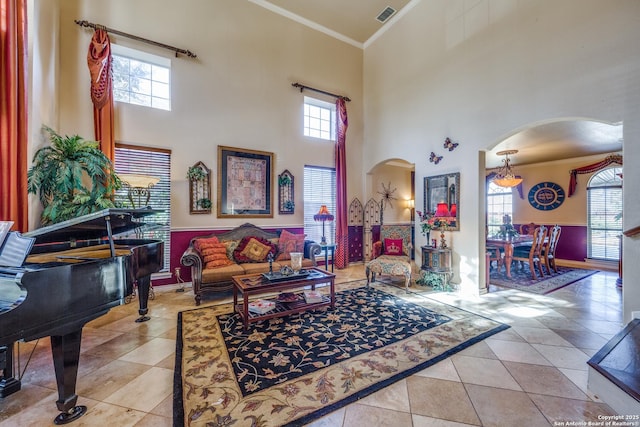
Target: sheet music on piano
<point>5,226</point>
<point>14,249</point>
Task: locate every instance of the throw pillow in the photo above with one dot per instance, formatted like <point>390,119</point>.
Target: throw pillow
<point>254,249</point>
<point>393,246</point>
<point>214,255</point>
<point>290,242</point>
<point>204,242</point>
<point>231,246</point>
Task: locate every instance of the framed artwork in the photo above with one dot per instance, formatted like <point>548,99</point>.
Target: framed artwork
<point>245,181</point>
<point>443,189</point>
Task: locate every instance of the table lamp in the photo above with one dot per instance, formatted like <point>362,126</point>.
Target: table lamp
<point>442,214</point>
<point>323,215</point>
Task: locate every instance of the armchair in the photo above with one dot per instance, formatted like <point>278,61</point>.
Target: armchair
<point>391,255</point>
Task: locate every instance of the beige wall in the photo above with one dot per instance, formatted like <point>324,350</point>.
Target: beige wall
<point>478,71</point>
<point>236,93</point>
<point>573,211</point>
<point>397,178</point>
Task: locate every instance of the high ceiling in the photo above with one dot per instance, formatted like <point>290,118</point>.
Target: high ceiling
<point>354,21</point>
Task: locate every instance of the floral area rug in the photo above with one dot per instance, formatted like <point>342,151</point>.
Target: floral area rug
<point>294,369</point>
<point>522,281</point>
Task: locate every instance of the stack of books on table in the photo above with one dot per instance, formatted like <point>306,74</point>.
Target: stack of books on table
<point>261,306</point>
<point>312,297</point>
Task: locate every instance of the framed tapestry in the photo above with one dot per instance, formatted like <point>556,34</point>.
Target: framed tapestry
<point>245,180</point>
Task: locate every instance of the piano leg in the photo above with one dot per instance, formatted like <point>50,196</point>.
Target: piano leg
<point>66,355</point>
<point>8,384</point>
<point>144,284</point>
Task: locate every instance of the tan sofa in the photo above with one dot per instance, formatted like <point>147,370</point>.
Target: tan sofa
<point>218,279</point>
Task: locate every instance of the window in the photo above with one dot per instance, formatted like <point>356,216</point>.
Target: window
<point>604,200</point>
<point>499,203</point>
<point>319,189</point>
<point>141,78</point>
<point>319,119</point>
<point>157,163</point>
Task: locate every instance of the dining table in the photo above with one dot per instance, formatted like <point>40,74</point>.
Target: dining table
<point>507,245</point>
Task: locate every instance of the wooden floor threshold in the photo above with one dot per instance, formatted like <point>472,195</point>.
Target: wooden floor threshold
<point>619,360</point>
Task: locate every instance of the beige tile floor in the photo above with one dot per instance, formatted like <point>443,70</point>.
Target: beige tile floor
<point>533,374</point>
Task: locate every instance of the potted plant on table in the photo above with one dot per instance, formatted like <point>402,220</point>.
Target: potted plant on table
<point>71,177</point>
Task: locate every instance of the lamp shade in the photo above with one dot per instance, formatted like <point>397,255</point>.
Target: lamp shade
<point>454,210</point>
<point>323,214</point>
<point>505,176</point>
<point>137,180</point>
<point>442,210</point>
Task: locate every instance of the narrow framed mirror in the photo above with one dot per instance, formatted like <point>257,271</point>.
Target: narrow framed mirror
<point>443,189</point>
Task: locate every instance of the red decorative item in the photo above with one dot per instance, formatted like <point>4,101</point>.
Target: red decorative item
<point>393,247</point>
<point>453,211</point>
<point>442,211</point>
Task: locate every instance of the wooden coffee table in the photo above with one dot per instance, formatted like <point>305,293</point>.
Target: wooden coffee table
<point>252,285</point>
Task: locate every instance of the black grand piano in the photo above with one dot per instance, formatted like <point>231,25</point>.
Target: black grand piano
<point>76,271</point>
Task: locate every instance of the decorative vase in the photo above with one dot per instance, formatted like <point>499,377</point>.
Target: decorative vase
<point>296,262</point>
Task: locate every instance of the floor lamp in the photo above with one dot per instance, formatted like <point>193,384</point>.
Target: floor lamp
<point>323,215</point>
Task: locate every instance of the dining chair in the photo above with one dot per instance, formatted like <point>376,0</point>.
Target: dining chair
<point>527,229</point>
<point>549,249</point>
<point>497,255</point>
<point>532,254</point>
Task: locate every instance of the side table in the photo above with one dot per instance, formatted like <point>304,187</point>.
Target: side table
<point>437,261</point>
<point>326,249</point>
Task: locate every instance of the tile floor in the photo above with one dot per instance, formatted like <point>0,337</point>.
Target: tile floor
<point>533,374</point>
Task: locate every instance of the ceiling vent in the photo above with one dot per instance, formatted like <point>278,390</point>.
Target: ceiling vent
<point>387,13</point>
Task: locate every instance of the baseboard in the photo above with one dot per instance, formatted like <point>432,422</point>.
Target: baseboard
<point>589,264</point>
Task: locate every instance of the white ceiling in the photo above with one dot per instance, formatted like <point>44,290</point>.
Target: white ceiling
<point>354,21</point>
<point>557,141</point>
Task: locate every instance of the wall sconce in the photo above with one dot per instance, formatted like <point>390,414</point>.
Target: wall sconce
<point>139,187</point>
<point>411,205</point>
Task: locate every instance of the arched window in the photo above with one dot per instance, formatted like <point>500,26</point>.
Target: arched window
<point>499,203</point>
<point>604,216</point>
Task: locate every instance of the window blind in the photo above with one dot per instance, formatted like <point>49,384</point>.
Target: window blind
<point>604,200</point>
<point>319,189</point>
<point>152,162</point>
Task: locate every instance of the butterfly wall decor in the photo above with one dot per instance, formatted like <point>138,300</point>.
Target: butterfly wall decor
<point>435,159</point>
<point>450,145</point>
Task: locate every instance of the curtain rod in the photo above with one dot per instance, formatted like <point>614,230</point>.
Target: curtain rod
<point>131,36</point>
<point>303,87</point>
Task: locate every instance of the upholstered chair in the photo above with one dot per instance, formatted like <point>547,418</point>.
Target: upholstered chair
<point>392,254</point>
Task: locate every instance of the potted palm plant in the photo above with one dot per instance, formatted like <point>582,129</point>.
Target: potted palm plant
<point>71,177</point>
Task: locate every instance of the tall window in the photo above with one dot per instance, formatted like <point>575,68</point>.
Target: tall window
<point>319,189</point>
<point>141,78</point>
<point>319,119</point>
<point>604,199</point>
<point>499,203</point>
<point>153,162</point>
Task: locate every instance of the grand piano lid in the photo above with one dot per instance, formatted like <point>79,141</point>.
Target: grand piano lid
<point>92,226</point>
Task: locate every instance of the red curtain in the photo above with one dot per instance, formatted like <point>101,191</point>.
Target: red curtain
<point>13,113</point>
<point>99,61</point>
<point>573,181</point>
<point>342,231</point>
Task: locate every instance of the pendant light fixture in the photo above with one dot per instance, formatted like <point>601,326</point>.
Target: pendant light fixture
<point>506,177</point>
